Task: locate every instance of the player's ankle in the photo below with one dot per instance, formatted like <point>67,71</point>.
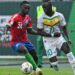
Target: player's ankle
<point>55,66</point>
<point>38,69</point>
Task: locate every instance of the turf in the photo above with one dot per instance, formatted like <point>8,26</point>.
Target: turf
<point>46,71</point>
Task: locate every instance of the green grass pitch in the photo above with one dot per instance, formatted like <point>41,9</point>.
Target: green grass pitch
<point>46,71</point>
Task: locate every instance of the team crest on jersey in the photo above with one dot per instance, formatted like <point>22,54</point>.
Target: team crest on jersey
<point>20,26</point>
<point>51,22</point>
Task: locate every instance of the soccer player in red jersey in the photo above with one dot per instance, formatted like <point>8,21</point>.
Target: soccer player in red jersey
<point>19,24</point>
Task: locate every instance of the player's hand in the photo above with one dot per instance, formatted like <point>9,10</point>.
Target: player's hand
<point>57,34</point>
<point>70,42</point>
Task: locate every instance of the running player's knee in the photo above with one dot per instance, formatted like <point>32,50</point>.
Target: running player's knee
<point>54,63</point>
<point>53,59</point>
<point>65,48</point>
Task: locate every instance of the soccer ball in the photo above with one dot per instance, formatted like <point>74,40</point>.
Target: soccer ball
<point>26,67</point>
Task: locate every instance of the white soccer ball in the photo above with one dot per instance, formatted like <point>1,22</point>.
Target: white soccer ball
<point>26,67</point>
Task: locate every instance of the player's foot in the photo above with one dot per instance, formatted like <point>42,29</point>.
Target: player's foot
<point>39,71</point>
<point>51,66</point>
<point>33,73</point>
<point>56,68</point>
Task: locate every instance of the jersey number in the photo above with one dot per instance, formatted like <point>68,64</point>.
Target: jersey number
<point>19,25</point>
<point>49,52</point>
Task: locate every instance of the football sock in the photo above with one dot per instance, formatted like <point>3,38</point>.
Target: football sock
<point>71,59</point>
<point>31,60</point>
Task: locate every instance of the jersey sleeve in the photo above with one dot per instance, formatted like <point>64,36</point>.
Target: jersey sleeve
<point>40,22</point>
<point>63,21</point>
<point>30,23</point>
<point>11,21</point>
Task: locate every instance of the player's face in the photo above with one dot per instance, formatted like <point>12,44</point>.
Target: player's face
<point>47,6</point>
<point>25,8</point>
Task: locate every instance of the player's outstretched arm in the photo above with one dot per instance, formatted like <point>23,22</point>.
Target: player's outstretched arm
<point>38,32</point>
<point>43,33</point>
<point>32,31</point>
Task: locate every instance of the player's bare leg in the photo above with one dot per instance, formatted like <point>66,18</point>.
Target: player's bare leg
<point>54,63</point>
<point>69,54</point>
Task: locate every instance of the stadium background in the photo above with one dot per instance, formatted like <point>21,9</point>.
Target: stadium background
<point>9,7</point>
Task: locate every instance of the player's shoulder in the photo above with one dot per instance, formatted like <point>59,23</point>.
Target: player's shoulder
<point>28,17</point>
<point>14,16</point>
<point>42,15</point>
<point>59,14</point>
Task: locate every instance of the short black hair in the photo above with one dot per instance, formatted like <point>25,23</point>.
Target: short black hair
<point>45,0</point>
<point>24,2</point>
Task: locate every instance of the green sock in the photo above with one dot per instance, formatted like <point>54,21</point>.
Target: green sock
<point>31,60</point>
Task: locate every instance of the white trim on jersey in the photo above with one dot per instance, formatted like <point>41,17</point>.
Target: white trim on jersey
<point>10,24</point>
<point>56,27</point>
<point>12,20</point>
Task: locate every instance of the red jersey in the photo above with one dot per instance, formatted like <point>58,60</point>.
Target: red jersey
<point>18,28</point>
